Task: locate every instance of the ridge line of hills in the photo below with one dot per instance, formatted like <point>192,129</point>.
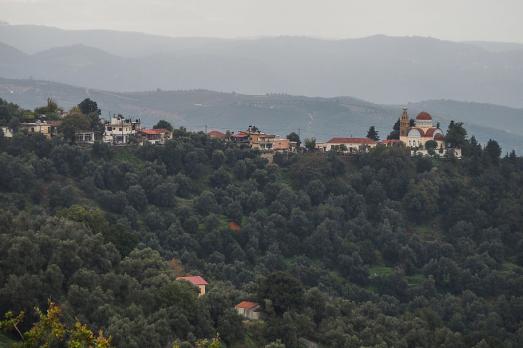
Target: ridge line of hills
<point>378,68</point>
<point>277,113</point>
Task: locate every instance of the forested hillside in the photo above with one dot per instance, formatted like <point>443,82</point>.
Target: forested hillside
<point>373,250</point>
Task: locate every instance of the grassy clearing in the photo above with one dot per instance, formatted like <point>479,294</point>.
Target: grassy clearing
<point>380,271</point>
<point>123,154</point>
<point>416,279</point>
<point>510,267</point>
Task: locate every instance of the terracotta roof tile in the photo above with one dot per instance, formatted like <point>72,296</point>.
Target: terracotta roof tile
<point>246,305</point>
<point>154,131</point>
<point>424,116</point>
<point>196,280</point>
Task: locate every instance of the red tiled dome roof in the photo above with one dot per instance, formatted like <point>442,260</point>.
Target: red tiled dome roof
<point>424,116</point>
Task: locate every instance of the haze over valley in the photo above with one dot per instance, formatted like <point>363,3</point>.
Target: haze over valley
<point>381,69</point>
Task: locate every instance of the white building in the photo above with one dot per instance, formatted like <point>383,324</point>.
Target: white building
<point>120,130</point>
<point>347,145</point>
<point>84,137</point>
<point>7,132</point>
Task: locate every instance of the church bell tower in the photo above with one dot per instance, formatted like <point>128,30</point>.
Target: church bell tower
<point>404,123</point>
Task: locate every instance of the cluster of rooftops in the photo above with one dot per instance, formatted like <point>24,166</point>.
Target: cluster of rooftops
<point>414,134</point>
<point>117,131</point>
<point>257,140</point>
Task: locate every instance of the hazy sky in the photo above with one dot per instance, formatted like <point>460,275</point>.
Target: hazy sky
<point>496,20</point>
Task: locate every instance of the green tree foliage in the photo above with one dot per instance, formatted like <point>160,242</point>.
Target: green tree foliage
<point>456,135</point>
<point>294,137</point>
<point>493,150</point>
<point>73,123</point>
<point>51,109</point>
<point>373,134</point>
<point>280,292</point>
<point>375,249</point>
<point>310,144</point>
<point>395,133</point>
<point>88,107</point>
<point>162,124</point>
<point>49,331</point>
<point>9,111</point>
<point>431,146</point>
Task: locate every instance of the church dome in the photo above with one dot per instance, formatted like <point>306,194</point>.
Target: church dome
<point>424,116</point>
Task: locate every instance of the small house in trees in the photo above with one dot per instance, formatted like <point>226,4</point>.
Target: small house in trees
<point>249,310</point>
<point>47,129</point>
<point>284,145</point>
<point>155,136</point>
<point>197,281</point>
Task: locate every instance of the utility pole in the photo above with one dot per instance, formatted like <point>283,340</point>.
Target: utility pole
<point>205,129</point>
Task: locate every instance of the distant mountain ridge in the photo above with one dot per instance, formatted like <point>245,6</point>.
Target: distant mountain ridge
<point>378,68</point>
<point>281,114</point>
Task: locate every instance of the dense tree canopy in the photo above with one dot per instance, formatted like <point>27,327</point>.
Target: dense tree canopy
<point>376,249</point>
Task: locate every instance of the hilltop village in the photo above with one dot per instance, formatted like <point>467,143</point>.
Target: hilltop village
<point>420,135</point>
<point>163,237</point>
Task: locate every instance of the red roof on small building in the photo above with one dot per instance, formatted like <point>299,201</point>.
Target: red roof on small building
<point>430,132</point>
<point>351,141</point>
<point>234,226</point>
<point>246,305</point>
<point>195,280</point>
<point>216,134</point>
<point>240,134</point>
<point>424,116</point>
<point>154,131</point>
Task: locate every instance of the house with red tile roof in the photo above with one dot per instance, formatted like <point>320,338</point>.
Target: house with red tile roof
<point>155,136</point>
<point>249,310</point>
<point>197,281</point>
